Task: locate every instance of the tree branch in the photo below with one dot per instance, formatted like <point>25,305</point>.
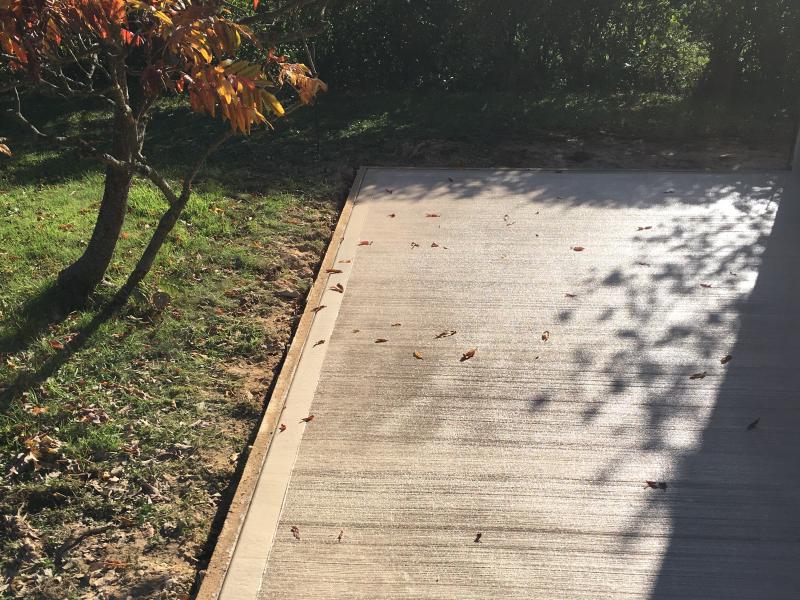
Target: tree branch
<point>157,179</point>
<point>85,146</point>
<point>190,176</point>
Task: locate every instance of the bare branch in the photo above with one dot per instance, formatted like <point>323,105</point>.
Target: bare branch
<point>85,146</point>
<point>190,176</point>
<point>157,179</point>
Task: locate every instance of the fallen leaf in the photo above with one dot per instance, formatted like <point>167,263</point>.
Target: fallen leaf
<point>753,425</point>
<point>345,261</point>
<point>282,427</point>
<point>478,537</point>
<point>396,324</point>
<point>434,245</point>
<point>392,215</point>
<point>568,295</point>
<point>468,354</point>
<point>318,308</point>
<point>726,359</point>
<point>364,243</point>
<point>333,271</point>
<point>113,563</point>
<point>56,344</point>
<point>445,334</point>
<point>545,336</point>
<point>417,355</point>
<point>381,340</point>
<point>578,248</point>
<point>338,288</point>
<point>705,285</point>
<point>37,410</point>
<point>414,245</point>
<point>432,215</point>
<point>339,537</point>
<point>355,331</point>
<point>656,485</point>
<point>307,419</point>
<point>295,532</point>
<point>644,228</point>
<point>698,375</point>
<point>319,343</point>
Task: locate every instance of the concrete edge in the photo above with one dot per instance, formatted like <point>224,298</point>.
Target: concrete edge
<point>214,578</point>
<point>795,165</point>
<point>587,170</point>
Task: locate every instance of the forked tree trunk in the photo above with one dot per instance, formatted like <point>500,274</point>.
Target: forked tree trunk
<point>77,281</point>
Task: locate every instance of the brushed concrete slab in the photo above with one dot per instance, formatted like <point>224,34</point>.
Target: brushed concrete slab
<point>602,308</point>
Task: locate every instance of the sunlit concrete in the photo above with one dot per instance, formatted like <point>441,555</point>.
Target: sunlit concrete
<point>628,328</point>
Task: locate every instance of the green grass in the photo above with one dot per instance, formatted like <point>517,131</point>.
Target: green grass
<point>134,422</point>
<point>140,420</point>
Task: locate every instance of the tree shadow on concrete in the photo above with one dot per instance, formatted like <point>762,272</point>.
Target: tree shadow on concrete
<point>706,270</point>
<point>735,527</point>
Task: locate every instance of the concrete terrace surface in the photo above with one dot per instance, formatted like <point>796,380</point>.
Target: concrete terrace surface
<point>628,327</point>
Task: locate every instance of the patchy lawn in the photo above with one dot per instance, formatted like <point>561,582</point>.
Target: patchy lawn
<point>121,436</point>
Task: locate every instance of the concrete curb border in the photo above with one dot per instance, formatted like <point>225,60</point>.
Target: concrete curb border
<point>795,164</point>
<point>214,578</point>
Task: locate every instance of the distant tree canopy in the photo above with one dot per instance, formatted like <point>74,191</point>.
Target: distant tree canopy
<point>713,47</point>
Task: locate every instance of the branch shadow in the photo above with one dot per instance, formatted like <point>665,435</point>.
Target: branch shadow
<point>735,527</point>
<point>685,270</point>
<point>30,330</point>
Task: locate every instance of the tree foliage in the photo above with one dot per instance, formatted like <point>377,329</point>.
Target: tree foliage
<point>130,54</point>
<point>650,45</point>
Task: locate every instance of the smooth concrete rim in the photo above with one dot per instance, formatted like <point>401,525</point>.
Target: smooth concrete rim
<point>218,567</point>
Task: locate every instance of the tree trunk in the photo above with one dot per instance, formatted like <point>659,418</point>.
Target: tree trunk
<point>165,226</point>
<point>77,281</point>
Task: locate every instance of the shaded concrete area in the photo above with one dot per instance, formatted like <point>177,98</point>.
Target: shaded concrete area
<point>627,327</point>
